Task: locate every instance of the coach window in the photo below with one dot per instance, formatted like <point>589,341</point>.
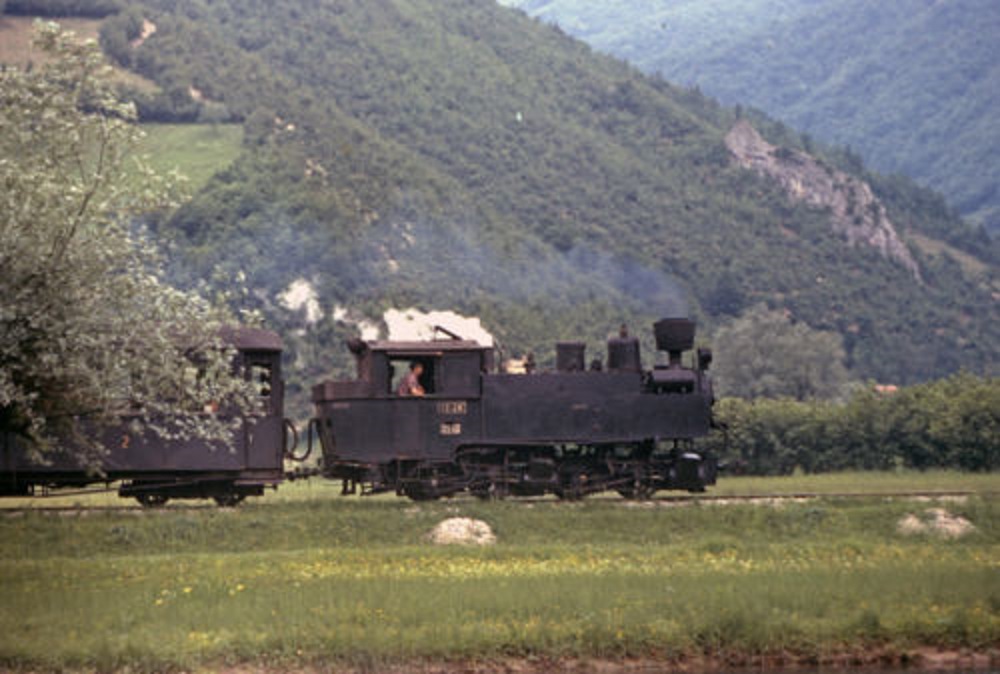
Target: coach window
<point>399,367</point>
<point>261,376</point>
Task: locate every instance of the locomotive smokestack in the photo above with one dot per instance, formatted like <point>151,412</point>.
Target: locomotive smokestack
<point>674,335</point>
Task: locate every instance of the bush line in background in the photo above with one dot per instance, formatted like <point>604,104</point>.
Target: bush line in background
<point>952,422</point>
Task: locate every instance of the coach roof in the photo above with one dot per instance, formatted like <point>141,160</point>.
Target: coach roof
<point>252,339</point>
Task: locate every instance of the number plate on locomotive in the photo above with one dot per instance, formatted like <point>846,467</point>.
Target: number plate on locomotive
<point>451,428</point>
<point>451,407</point>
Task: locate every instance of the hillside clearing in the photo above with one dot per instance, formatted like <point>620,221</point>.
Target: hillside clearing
<point>197,151</point>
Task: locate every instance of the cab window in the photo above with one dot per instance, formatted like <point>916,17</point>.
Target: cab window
<point>399,368</point>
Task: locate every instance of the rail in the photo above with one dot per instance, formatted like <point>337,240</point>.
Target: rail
<point>690,499</point>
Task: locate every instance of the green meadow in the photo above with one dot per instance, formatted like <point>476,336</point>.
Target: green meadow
<point>197,151</point>
<point>305,577</point>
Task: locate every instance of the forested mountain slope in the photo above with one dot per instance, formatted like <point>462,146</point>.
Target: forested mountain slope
<point>914,85</point>
<point>455,154</point>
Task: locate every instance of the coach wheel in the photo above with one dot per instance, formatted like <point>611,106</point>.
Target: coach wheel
<point>229,499</point>
<point>422,491</point>
<point>152,500</point>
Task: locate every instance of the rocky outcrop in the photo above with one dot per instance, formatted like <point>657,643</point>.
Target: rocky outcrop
<point>855,212</point>
<point>148,28</point>
<point>936,521</point>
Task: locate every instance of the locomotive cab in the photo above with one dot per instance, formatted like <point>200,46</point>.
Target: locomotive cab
<point>450,368</point>
<point>367,428</point>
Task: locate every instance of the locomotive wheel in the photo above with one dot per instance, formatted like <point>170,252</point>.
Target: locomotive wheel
<point>229,499</point>
<point>152,500</point>
<point>572,484</point>
<point>641,492</point>
<point>482,490</point>
<point>639,488</point>
<point>488,491</point>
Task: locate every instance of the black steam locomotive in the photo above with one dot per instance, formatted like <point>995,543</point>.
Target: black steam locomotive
<point>570,432</point>
<point>154,470</point>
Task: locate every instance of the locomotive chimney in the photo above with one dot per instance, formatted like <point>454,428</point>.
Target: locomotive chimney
<point>623,352</point>
<point>674,335</point>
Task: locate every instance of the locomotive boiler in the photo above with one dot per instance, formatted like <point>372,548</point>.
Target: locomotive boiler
<point>571,432</point>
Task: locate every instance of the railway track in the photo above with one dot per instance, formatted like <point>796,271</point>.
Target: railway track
<point>678,499</point>
<point>792,496</point>
<point>101,509</point>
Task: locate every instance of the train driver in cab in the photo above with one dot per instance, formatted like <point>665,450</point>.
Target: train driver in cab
<point>410,385</point>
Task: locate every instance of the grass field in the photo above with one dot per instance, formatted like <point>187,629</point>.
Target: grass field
<point>871,482</point>
<point>195,150</point>
<point>304,577</point>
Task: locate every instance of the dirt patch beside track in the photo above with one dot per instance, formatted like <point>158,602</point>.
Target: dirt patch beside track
<point>916,661</point>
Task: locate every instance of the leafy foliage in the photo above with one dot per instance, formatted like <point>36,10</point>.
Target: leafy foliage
<point>911,84</point>
<point>471,124</point>
<point>953,422</point>
<point>89,328</point>
<point>459,155</point>
<point>764,354</point>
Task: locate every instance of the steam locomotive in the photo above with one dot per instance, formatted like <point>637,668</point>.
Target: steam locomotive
<point>570,432</point>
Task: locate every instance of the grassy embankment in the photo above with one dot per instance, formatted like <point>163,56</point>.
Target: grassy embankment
<point>309,576</point>
<point>16,33</point>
